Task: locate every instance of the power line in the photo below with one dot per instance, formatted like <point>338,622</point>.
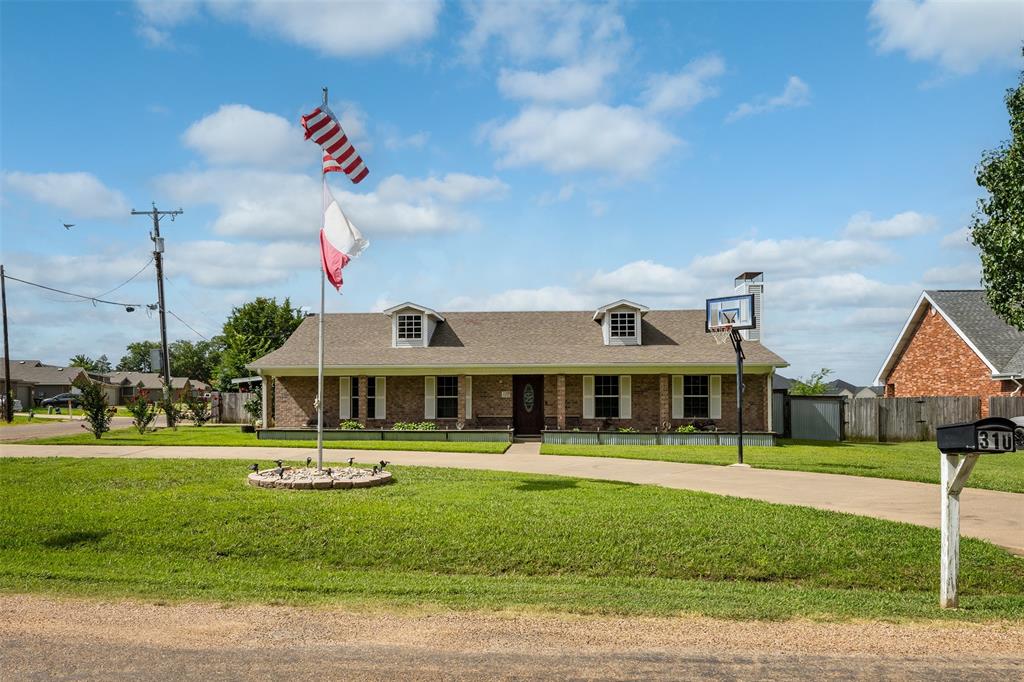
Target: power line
<point>175,315</point>
<point>94,299</point>
<point>141,270</point>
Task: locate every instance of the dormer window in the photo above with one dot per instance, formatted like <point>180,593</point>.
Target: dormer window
<point>623,325</point>
<point>621,322</point>
<point>410,327</point>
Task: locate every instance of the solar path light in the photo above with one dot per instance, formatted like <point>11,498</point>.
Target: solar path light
<point>961,445</point>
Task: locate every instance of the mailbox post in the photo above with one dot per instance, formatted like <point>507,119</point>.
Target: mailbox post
<point>961,445</point>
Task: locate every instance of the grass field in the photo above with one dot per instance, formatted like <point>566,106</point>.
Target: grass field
<point>901,461</point>
<point>187,529</point>
<point>122,411</point>
<point>20,420</point>
<point>233,436</point>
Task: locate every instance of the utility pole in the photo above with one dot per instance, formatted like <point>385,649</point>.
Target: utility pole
<point>158,252</point>
<point>8,398</point>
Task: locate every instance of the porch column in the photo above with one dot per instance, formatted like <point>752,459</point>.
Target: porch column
<point>664,400</point>
<point>560,402</point>
<point>364,389</point>
<point>461,400</point>
<point>265,398</point>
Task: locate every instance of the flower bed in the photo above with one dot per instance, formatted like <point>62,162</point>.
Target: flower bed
<point>662,438</point>
<point>453,436</point>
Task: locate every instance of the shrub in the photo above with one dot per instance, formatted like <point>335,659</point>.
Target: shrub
<point>627,429</point>
<point>350,424</point>
<point>197,409</point>
<point>171,411</point>
<point>686,428</point>
<point>143,413</point>
<point>254,406</point>
<point>414,426</point>
<point>94,405</point>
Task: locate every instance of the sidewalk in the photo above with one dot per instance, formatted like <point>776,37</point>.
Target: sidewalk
<point>987,514</point>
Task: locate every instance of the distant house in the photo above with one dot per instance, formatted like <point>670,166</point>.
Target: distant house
<point>147,384</point>
<point>837,387</point>
<point>953,344</point>
<point>33,380</point>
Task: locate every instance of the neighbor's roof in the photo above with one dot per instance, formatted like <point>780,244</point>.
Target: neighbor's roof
<point>147,380</point>
<point>670,337</point>
<point>35,372</point>
<point>998,344</point>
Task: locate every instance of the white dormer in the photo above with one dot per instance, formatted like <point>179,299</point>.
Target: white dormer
<point>621,322</point>
<point>412,325</point>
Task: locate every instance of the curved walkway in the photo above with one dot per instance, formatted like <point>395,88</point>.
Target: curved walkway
<point>987,514</point>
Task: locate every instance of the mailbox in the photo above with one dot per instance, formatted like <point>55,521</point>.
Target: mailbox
<point>986,436</point>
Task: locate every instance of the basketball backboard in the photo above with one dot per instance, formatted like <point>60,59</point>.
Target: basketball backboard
<point>730,312</point>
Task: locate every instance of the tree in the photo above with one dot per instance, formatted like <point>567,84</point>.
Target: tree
<point>997,227</point>
<point>253,330</point>
<point>137,357</point>
<point>143,413</point>
<point>101,364</point>
<point>196,360</point>
<point>94,405</point>
<point>813,385</point>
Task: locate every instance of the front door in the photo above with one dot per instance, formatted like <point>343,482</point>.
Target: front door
<point>528,407</point>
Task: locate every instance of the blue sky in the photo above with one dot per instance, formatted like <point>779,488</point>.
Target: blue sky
<point>522,156</point>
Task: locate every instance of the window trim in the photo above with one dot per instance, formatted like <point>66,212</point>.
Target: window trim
<point>612,323</point>
<point>454,398</point>
<point>405,334</point>
<point>611,398</point>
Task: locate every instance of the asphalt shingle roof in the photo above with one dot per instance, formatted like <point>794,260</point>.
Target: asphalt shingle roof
<point>33,371</point>
<point>1000,343</point>
<point>510,338</point>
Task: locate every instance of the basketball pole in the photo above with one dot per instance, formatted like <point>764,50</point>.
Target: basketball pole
<point>737,344</point>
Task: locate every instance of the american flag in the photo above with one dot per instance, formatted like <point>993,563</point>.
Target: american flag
<point>322,127</point>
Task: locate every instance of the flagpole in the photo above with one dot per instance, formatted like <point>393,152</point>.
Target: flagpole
<point>320,346</point>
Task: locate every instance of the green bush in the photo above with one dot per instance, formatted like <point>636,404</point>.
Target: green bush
<point>254,406</point>
<point>351,425</point>
<point>414,426</point>
<point>197,409</point>
<point>94,405</point>
<point>143,413</point>
<point>627,429</point>
<point>686,428</point>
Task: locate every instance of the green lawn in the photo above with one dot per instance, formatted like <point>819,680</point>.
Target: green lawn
<point>122,411</point>
<point>901,461</point>
<point>19,420</point>
<point>232,435</point>
<point>188,529</point>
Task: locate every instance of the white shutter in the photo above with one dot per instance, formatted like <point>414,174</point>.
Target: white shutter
<point>380,401</point>
<point>429,397</point>
<point>345,397</point>
<point>625,397</point>
<point>677,396</point>
<point>715,397</point>
<point>588,397</point>
<point>469,397</point>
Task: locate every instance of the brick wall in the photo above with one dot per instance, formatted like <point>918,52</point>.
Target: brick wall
<point>293,403</point>
<point>937,362</point>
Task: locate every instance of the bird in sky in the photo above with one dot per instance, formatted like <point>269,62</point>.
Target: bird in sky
<point>68,226</point>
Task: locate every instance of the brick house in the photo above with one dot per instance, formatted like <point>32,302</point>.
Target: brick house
<point>954,344</point>
<point>622,365</point>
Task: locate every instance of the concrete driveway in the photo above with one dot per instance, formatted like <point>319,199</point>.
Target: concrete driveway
<point>987,514</point>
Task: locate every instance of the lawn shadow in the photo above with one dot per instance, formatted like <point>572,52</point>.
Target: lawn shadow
<point>542,485</point>
<point>77,537</point>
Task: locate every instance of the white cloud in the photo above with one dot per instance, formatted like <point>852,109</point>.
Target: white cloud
<point>795,94</point>
<point>620,140</point>
<point>644,277</point>
<point>529,31</point>
<point>906,224</point>
<point>79,195</point>
<point>962,276</point>
<point>543,298</point>
<point>337,29</point>
<point>843,290</point>
<point>239,134</point>
<point>961,36</point>
<point>684,90</point>
<point>572,83</point>
<point>92,274</point>
<point>277,205</point>
<point>959,239</point>
<point>203,262</point>
<point>564,193</point>
<point>453,187</point>
<point>791,258</point>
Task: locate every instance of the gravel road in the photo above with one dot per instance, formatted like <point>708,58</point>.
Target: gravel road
<point>47,638</point>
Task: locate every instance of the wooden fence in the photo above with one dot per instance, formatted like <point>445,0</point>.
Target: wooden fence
<point>902,419</point>
<point>228,408</point>
<point>1006,406</point>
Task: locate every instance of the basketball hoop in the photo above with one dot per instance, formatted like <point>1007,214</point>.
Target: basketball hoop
<point>721,334</point>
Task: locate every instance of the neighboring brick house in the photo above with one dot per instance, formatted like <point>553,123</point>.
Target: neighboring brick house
<point>34,381</point>
<point>149,385</point>
<point>621,366</point>
<point>954,344</point>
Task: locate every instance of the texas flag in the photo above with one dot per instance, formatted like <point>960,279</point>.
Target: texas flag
<point>340,240</point>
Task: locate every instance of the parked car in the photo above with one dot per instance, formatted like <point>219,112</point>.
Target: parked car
<point>62,400</point>
<point>17,404</point>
